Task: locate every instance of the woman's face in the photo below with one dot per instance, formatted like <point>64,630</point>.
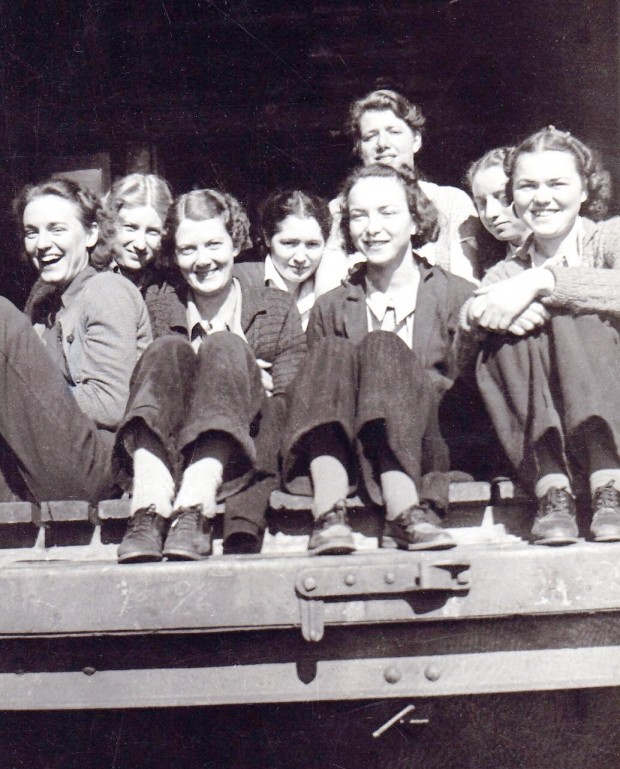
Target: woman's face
<point>297,248</point>
<point>55,238</point>
<point>205,254</point>
<point>548,192</point>
<point>496,212</point>
<point>380,222</point>
<point>138,236</point>
<point>385,138</point>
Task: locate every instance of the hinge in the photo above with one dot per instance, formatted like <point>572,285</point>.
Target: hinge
<point>314,585</point>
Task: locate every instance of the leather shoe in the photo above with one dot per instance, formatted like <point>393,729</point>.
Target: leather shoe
<point>606,519</point>
<point>190,537</point>
<point>556,523</point>
<point>416,528</point>
<point>331,533</point>
<point>144,537</point>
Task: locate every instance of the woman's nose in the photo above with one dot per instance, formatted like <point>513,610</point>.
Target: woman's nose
<point>43,240</point>
<point>139,242</point>
<point>542,194</point>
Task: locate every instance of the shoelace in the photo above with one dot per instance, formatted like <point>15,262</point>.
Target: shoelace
<point>558,501</point>
<point>186,520</point>
<point>608,496</point>
<point>142,522</point>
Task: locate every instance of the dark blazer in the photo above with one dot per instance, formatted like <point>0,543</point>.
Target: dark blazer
<point>269,318</point>
<point>342,312</point>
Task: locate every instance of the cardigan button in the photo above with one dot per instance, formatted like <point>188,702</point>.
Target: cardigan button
<point>70,338</point>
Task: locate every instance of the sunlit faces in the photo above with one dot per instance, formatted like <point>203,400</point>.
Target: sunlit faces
<point>55,238</point>
<point>380,222</point>
<point>495,211</point>
<point>139,231</point>
<point>297,248</point>
<point>548,192</point>
<point>385,138</point>
<point>205,254</point>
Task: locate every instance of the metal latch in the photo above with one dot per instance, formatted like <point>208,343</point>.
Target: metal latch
<point>314,585</point>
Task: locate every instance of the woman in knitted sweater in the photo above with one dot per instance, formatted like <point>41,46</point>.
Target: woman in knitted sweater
<point>547,318</point>
<point>203,420</point>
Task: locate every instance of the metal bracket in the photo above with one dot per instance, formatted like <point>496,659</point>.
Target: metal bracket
<point>314,585</point>
<point>400,718</point>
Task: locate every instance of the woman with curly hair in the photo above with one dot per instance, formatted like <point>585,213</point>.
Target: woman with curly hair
<point>547,318</point>
<point>380,363</point>
<point>201,426</point>
<point>386,127</point>
<point>138,205</point>
<point>488,183</point>
<point>294,227</point>
<point>66,382</point>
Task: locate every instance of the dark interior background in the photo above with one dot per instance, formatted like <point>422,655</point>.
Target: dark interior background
<point>248,95</point>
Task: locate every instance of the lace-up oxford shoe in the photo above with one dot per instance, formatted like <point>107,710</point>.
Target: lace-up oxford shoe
<point>144,538</point>
<point>555,523</point>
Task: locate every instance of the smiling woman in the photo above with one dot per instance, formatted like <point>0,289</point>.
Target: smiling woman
<point>204,416</point>
<point>66,382</point>
<point>379,367</point>
<point>547,320</point>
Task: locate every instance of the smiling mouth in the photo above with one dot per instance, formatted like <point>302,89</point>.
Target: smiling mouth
<point>543,213</point>
<point>48,261</point>
<point>204,274</point>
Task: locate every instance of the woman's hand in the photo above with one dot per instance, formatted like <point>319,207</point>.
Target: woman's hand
<point>497,306</point>
<point>265,376</point>
<point>531,318</point>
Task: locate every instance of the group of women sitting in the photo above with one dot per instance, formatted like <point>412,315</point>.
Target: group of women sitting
<point>383,337</point>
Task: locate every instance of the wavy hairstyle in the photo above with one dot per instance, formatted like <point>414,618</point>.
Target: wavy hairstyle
<point>282,203</point>
<point>199,205</point>
<point>423,212</point>
<point>596,179</point>
<point>495,157</point>
<point>383,99</point>
<point>89,211</point>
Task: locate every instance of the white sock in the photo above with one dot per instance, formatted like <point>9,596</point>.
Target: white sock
<point>601,478</point>
<point>330,482</point>
<point>152,483</point>
<point>200,484</point>
<point>551,481</point>
<point>399,493</point>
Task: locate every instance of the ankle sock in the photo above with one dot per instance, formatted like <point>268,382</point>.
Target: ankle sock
<point>152,483</point>
<point>330,481</point>
<point>603,477</point>
<point>550,481</point>
<point>399,492</point>
<point>199,486</point>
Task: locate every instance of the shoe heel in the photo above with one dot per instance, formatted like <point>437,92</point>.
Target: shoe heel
<point>389,543</point>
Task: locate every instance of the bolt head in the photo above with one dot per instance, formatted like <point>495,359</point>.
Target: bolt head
<point>349,579</point>
<point>433,672</point>
<point>392,674</point>
<point>310,583</point>
<point>390,578</point>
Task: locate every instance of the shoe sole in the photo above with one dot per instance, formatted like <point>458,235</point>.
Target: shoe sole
<point>606,538</point>
<point>556,541</point>
<point>138,556</point>
<point>335,547</point>
<point>184,555</point>
<point>389,543</point>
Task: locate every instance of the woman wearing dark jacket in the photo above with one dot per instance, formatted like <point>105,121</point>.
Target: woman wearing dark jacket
<point>380,364</point>
<point>204,420</point>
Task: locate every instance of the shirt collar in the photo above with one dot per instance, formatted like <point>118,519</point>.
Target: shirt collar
<point>403,300</point>
<point>305,300</point>
<point>76,285</point>
<point>569,253</point>
<point>227,319</point>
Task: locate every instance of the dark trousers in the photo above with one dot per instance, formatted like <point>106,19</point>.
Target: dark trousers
<point>372,392</point>
<point>561,380</point>
<point>50,449</point>
<point>181,395</point>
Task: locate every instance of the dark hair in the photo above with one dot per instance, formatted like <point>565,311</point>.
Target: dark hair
<point>596,179</point>
<point>495,157</point>
<point>139,189</point>
<point>381,100</point>
<point>88,206</point>
<point>282,203</point>
<point>206,204</point>
<point>423,212</point>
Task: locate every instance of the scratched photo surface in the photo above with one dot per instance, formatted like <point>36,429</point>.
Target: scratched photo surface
<point>249,96</point>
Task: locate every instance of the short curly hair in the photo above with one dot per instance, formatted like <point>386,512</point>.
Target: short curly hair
<point>89,210</point>
<point>596,179</point>
<point>383,99</point>
<point>205,204</point>
<point>423,212</point>
<point>495,157</point>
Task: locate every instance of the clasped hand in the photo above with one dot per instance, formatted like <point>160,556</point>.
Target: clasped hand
<point>509,306</point>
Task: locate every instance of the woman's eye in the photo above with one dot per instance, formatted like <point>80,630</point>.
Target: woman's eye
<point>130,227</point>
<point>153,233</point>
<point>186,251</point>
<point>58,230</point>
<point>503,199</point>
<point>314,244</point>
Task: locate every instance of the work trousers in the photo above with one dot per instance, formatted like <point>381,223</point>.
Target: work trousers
<point>49,449</point>
<point>560,379</point>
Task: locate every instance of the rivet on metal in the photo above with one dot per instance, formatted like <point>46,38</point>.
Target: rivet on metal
<point>432,672</point>
<point>392,674</point>
<point>89,671</point>
<point>350,579</point>
<point>390,578</point>
<point>310,583</point>
<point>462,578</point>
